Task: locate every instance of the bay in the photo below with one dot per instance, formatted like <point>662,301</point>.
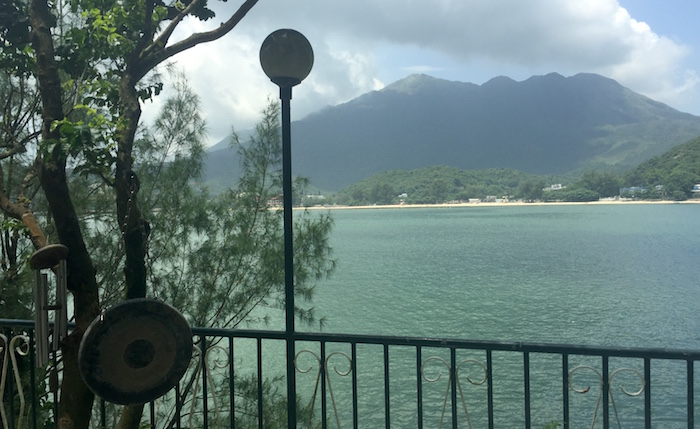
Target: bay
<point>607,275</point>
<point>624,275</point>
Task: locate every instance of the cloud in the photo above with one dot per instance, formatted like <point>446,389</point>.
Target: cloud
<point>361,45</point>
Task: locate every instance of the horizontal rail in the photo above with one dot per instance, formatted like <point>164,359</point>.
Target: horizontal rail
<point>415,369</point>
<point>521,346</point>
<point>530,347</point>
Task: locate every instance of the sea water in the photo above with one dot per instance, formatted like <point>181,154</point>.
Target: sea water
<point>604,275</point>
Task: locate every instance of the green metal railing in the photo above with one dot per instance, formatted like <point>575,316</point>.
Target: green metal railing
<point>385,381</point>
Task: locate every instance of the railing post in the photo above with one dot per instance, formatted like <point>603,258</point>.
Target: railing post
<point>205,405</point>
<point>353,367</point>
<point>526,383</point>
<point>419,385</point>
<point>489,387</point>
<point>387,412</point>
<point>323,374</point>
<point>453,385</point>
<point>606,394</point>
<point>690,377</point>
<point>260,386</point>
<point>231,386</point>
<point>647,393</point>
<point>32,374</point>
<point>565,388</point>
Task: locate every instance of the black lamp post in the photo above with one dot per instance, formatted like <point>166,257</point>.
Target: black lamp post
<point>286,58</point>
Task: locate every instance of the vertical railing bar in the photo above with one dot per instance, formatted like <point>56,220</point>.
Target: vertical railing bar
<point>387,413</point>
<point>565,388</point>
<point>231,385</point>
<point>152,409</point>
<point>526,382</point>
<point>260,386</point>
<point>453,385</point>
<point>10,383</point>
<point>103,413</point>
<point>690,376</point>
<point>605,355</point>
<point>606,393</point>
<point>353,367</point>
<point>324,410</point>
<point>52,367</point>
<point>647,393</point>
<point>489,387</point>
<point>419,385</point>
<point>178,407</point>
<point>205,404</point>
<point>32,374</point>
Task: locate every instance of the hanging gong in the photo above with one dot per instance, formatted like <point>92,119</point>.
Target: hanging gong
<point>135,352</point>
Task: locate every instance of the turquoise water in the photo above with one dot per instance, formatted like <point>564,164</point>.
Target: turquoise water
<point>624,275</point>
<point>605,275</point>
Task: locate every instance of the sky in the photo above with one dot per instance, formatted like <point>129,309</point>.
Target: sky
<point>649,46</point>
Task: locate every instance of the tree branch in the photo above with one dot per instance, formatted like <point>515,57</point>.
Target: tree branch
<point>147,34</point>
<point>156,57</point>
<point>162,40</point>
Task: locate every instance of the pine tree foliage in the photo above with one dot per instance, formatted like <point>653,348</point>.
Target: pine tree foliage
<point>218,259</point>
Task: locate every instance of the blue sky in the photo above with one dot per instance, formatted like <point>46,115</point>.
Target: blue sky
<point>649,46</point>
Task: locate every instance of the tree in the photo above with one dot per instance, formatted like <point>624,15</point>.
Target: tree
<point>216,258</point>
<point>531,190</point>
<point>16,130</point>
<point>679,183</point>
<point>381,193</point>
<point>90,81</point>
<point>606,184</point>
<point>235,263</point>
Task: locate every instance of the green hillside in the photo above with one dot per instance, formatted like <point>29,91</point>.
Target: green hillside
<point>676,171</point>
<point>440,184</point>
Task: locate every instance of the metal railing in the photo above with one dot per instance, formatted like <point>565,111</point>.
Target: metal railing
<point>356,381</point>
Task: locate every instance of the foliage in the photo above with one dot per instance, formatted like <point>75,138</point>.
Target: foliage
<point>215,258</point>
<point>531,190</point>
<point>17,129</point>
<point>93,62</point>
<point>676,171</point>
<point>219,258</point>
<point>671,175</point>
<point>573,194</point>
<point>438,185</point>
<point>604,184</point>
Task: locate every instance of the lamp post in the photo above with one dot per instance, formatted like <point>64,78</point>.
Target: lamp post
<point>286,57</point>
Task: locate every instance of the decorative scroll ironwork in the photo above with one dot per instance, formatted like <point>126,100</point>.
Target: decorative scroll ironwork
<point>475,382</point>
<point>610,389</point>
<point>214,360</point>
<point>328,379</point>
<point>9,351</point>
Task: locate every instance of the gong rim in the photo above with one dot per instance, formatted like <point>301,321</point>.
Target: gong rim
<point>135,352</point>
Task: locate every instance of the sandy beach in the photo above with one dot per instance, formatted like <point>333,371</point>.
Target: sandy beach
<point>498,204</point>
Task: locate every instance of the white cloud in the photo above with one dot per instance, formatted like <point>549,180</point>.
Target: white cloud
<point>359,45</point>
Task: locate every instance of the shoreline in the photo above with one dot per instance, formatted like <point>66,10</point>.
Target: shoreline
<point>499,204</point>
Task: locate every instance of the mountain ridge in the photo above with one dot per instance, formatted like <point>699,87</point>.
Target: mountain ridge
<point>547,124</point>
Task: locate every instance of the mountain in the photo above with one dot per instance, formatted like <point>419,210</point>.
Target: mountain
<point>676,170</point>
<point>544,125</point>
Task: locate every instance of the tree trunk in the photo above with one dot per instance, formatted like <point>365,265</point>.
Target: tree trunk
<point>135,229</point>
<point>75,405</point>
<point>130,417</point>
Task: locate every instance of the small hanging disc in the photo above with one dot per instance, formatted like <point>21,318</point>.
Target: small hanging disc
<point>48,256</point>
<point>135,352</point>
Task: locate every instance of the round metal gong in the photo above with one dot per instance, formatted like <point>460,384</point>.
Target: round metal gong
<point>135,352</point>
